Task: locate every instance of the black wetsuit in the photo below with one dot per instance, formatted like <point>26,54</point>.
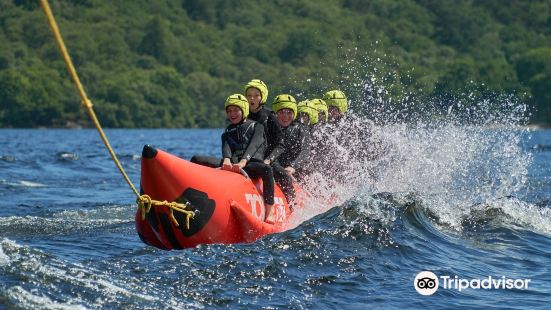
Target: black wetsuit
<point>245,141</point>
<point>274,135</point>
<point>296,144</point>
<point>296,138</point>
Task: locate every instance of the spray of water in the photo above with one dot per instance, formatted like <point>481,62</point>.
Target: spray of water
<point>454,152</point>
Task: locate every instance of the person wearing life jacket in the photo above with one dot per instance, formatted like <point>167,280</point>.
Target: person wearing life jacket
<point>289,163</point>
<point>322,139</point>
<point>337,105</point>
<point>353,134</point>
<point>321,106</point>
<point>256,92</point>
<point>320,133</point>
<point>308,118</point>
<point>243,147</point>
<point>307,113</point>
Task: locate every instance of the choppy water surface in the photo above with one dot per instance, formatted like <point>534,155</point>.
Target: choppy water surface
<point>458,200</point>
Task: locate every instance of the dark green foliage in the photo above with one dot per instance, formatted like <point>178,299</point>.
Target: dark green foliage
<point>534,69</point>
<point>301,43</point>
<point>158,41</point>
<point>172,63</point>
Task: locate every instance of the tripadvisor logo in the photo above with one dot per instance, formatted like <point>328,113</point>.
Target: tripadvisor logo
<point>427,283</point>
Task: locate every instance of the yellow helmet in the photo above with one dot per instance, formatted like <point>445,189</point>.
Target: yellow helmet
<point>285,101</point>
<point>307,107</point>
<point>336,98</point>
<point>239,101</point>
<point>261,86</point>
<point>321,106</point>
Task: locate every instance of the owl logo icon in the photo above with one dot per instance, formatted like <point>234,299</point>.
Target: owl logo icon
<point>426,283</point>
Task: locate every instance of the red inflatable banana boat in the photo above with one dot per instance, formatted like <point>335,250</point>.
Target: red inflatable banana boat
<point>228,206</point>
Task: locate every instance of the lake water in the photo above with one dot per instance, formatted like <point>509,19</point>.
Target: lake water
<point>465,203</point>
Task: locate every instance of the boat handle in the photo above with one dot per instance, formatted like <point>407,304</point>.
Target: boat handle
<point>244,173</point>
<point>241,171</point>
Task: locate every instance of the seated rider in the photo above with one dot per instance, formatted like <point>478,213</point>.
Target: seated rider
<point>256,92</point>
<point>308,117</point>
<point>243,146</point>
<point>307,114</point>
<point>337,105</point>
<point>321,106</point>
<point>288,164</point>
<point>321,139</point>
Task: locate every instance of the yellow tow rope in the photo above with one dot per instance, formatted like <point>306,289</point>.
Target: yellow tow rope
<point>144,201</point>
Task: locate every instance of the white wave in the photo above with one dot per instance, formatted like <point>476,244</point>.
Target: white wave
<point>4,258</point>
<point>68,220</point>
<point>525,214</point>
<point>68,156</point>
<point>52,275</point>
<point>32,300</point>
<point>22,183</point>
<point>89,278</point>
<point>31,184</point>
<point>115,213</point>
<point>36,223</point>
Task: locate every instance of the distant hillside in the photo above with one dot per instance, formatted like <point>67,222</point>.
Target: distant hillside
<point>172,63</point>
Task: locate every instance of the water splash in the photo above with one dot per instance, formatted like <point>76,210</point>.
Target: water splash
<point>453,151</point>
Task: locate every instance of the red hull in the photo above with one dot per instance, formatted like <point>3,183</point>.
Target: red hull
<point>230,206</point>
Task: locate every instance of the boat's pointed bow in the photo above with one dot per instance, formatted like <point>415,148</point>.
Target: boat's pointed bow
<point>149,151</point>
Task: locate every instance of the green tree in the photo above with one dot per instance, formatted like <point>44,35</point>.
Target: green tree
<point>300,43</point>
<point>458,73</point>
<point>534,70</point>
<point>172,63</point>
<point>158,41</point>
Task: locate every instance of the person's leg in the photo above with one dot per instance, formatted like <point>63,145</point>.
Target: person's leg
<point>209,161</point>
<point>282,177</point>
<point>257,169</point>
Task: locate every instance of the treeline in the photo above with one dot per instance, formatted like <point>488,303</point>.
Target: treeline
<point>172,63</point>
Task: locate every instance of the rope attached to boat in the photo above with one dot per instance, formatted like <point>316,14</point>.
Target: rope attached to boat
<point>144,201</point>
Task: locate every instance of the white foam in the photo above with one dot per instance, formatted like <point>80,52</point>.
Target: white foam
<point>30,300</point>
<point>69,220</point>
<point>319,195</point>
<point>48,272</point>
<point>525,214</point>
<point>22,183</point>
<point>69,156</point>
<point>4,259</point>
<point>31,184</point>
